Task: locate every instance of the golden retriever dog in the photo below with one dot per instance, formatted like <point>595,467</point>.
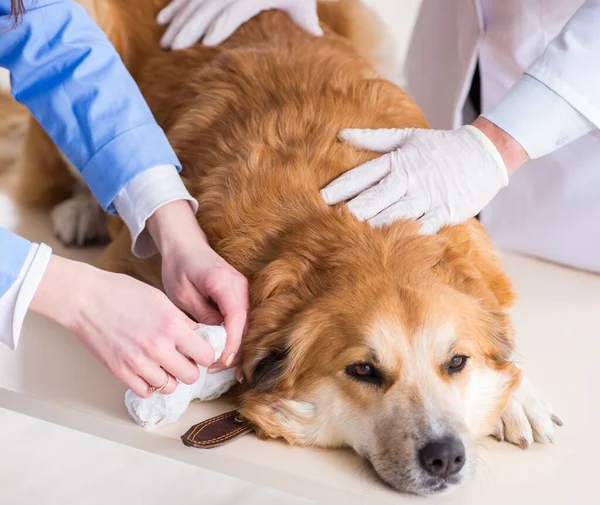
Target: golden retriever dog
<point>395,344</point>
<point>13,122</point>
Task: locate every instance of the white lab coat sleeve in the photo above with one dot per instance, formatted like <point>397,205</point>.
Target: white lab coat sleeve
<point>15,302</point>
<point>538,118</point>
<point>142,196</point>
<point>558,98</point>
<point>570,65</point>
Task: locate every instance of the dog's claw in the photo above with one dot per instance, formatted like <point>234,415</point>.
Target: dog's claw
<point>499,432</point>
<point>556,420</point>
<point>523,443</point>
<point>527,418</point>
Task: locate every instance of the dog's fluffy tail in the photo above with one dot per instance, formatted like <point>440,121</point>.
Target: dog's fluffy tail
<point>353,20</point>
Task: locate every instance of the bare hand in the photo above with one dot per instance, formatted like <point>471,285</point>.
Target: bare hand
<point>129,326</point>
<point>196,278</point>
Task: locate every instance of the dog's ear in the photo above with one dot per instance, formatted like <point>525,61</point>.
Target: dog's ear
<point>276,294</point>
<point>268,370</point>
<point>268,407</point>
<point>283,275</point>
<point>471,265</point>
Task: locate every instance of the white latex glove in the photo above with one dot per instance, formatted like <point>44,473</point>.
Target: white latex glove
<point>438,177</point>
<point>216,20</point>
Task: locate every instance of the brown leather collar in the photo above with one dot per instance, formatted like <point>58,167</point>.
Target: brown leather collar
<point>217,431</point>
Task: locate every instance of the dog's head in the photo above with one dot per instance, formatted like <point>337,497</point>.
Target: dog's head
<point>393,344</point>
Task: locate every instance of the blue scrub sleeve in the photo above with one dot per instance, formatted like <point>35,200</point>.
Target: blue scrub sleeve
<point>67,73</point>
<point>13,253</point>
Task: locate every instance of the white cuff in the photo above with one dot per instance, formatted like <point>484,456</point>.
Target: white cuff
<point>537,118</point>
<point>140,198</point>
<point>15,302</point>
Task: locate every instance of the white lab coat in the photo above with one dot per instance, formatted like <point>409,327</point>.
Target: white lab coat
<point>551,208</point>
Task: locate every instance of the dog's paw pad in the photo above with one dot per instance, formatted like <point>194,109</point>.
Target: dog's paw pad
<point>527,418</point>
<point>79,221</point>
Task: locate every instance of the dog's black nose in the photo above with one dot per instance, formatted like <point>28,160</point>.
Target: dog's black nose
<point>443,457</point>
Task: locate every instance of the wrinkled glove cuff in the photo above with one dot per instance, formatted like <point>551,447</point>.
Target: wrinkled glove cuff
<point>489,147</point>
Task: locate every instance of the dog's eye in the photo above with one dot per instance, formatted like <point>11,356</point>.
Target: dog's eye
<point>364,372</point>
<point>456,364</point>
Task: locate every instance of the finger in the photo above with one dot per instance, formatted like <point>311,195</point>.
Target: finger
<point>134,382</point>
<point>190,21</point>
<point>236,362</point>
<point>196,348</point>
<point>201,309</point>
<point>232,299</point>
<point>188,299</point>
<point>171,385</point>
<point>239,375</point>
<point>216,368</point>
<point>166,15</point>
<point>230,19</point>
<point>157,377</point>
<point>219,367</point>
<point>175,26</point>
<point>234,325</point>
<point>406,208</point>
<point>182,367</point>
<point>433,221</point>
<point>357,180</point>
<point>374,200</point>
<point>383,140</point>
<point>198,25</point>
<point>304,14</point>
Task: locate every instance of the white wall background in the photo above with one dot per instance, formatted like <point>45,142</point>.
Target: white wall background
<point>400,17</point>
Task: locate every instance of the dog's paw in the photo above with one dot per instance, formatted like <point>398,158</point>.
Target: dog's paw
<point>526,418</point>
<point>79,221</point>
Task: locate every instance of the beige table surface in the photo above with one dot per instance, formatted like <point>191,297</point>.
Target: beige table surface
<point>47,464</point>
<point>53,378</point>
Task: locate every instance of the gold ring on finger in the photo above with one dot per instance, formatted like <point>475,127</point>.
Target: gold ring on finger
<point>166,383</point>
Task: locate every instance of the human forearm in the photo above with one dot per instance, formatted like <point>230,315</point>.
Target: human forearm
<point>59,289</point>
<point>173,225</point>
<point>512,152</point>
<point>130,326</point>
<point>142,198</point>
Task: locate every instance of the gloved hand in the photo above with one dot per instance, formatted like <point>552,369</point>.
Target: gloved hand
<point>216,20</point>
<point>438,177</point>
